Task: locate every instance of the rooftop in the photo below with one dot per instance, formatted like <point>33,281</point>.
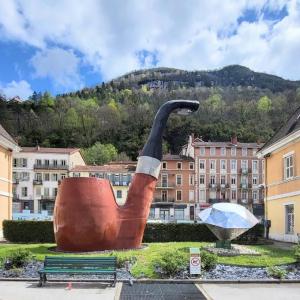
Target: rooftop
<point>6,135</point>
<point>292,125</point>
<point>39,149</point>
<point>116,168</point>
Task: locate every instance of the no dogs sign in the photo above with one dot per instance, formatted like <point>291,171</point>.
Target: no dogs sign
<point>195,261</point>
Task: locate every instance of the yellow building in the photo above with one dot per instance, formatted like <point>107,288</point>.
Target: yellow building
<point>7,146</point>
<point>282,181</point>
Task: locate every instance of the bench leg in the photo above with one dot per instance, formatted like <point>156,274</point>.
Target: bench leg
<point>44,278</point>
<point>40,284</point>
<point>115,280</point>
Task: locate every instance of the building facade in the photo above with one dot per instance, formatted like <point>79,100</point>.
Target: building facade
<point>227,172</point>
<point>174,198</point>
<point>282,181</point>
<point>36,175</point>
<point>118,173</point>
<point>7,147</point>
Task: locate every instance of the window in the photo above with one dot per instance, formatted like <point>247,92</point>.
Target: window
<point>38,191</point>
<point>63,162</point>
<point>46,177</point>
<point>289,219</point>
<point>223,165</point>
<point>244,165</point>
<point>76,174</point>
<point>223,179</point>
<point>38,162</point>
<point>233,165</point>
<point>47,162</point>
<point>255,195</point>
<point>24,176</point>
<point>288,167</point>
<point>164,165</point>
<point>62,176</point>
<point>212,151</point>
<point>38,176</point>
<point>54,177</point>
<point>191,179</point>
<point>164,196</point>
<point>164,180</point>
<point>24,191</point>
<point>179,214</point>
<point>233,194</point>
<point>191,166</point>
<point>202,151</point>
<point>178,179</point>
<point>202,164</point>
<point>223,151</point>
<point>119,194</point>
<point>233,151</point>
<point>164,214</point>
<point>202,179</point>
<point>255,166</point>
<point>191,195</point>
<point>152,213</point>
<point>46,192</point>
<point>254,179</point>
<point>179,166</point>
<point>244,152</point>
<point>244,180</point>
<point>15,162</point>
<point>54,162</point>
<point>244,195</point>
<point>202,195</point>
<point>178,195</point>
<point>54,192</point>
<point>233,180</point>
<point>212,179</point>
<point>212,163</point>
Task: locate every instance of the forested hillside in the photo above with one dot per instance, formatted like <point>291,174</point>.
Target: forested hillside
<point>233,100</point>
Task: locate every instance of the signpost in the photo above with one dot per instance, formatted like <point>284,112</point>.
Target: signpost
<point>195,261</point>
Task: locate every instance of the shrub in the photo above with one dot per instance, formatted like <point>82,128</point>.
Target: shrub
<point>42,232</point>
<point>208,260</point>
<point>28,231</point>
<point>171,262</point>
<point>276,272</point>
<point>297,252</point>
<point>17,259</point>
<point>122,259</point>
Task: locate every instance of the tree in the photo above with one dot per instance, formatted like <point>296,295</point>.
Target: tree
<point>264,104</point>
<point>100,154</point>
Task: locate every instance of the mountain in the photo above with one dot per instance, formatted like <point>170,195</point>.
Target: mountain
<point>230,76</point>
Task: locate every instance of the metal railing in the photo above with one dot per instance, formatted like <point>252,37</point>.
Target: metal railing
<point>50,167</point>
<point>160,200</point>
<point>37,182</point>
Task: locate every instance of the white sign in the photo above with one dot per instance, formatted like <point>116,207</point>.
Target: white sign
<point>195,262</point>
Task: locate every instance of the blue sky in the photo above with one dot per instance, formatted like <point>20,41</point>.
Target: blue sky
<point>62,46</point>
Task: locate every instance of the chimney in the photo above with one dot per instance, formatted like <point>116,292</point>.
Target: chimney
<point>234,139</point>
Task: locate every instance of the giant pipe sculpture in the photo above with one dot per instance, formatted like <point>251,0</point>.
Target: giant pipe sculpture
<point>86,215</point>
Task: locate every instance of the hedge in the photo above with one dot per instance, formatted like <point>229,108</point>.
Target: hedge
<point>42,232</point>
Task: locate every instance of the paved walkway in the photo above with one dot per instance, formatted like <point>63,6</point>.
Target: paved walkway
<point>57,291</point>
<point>290,291</point>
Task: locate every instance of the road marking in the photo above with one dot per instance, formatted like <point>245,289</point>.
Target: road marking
<point>203,291</point>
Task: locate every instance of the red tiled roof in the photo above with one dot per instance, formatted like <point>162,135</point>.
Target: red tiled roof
<point>175,157</point>
<point>49,150</point>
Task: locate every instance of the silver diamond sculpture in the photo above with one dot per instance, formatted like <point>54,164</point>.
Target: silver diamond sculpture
<point>228,220</point>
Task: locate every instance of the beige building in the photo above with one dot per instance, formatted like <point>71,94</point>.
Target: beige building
<point>7,147</point>
<point>118,173</point>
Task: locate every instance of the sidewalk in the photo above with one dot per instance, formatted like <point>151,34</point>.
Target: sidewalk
<point>57,291</point>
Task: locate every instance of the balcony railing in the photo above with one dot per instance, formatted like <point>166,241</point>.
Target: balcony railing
<point>165,185</point>
<point>48,198</point>
<point>160,200</point>
<point>212,201</point>
<point>120,183</point>
<point>16,181</point>
<point>50,167</point>
<point>37,182</point>
<point>212,186</point>
<point>244,185</point>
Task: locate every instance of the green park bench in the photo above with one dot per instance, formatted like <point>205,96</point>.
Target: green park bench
<point>78,266</point>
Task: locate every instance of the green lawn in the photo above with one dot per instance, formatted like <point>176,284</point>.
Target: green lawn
<point>145,258</point>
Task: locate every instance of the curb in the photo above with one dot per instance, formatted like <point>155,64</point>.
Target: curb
<point>164,281</point>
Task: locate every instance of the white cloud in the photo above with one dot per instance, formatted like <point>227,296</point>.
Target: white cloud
<point>17,88</point>
<point>62,66</point>
<point>189,34</point>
